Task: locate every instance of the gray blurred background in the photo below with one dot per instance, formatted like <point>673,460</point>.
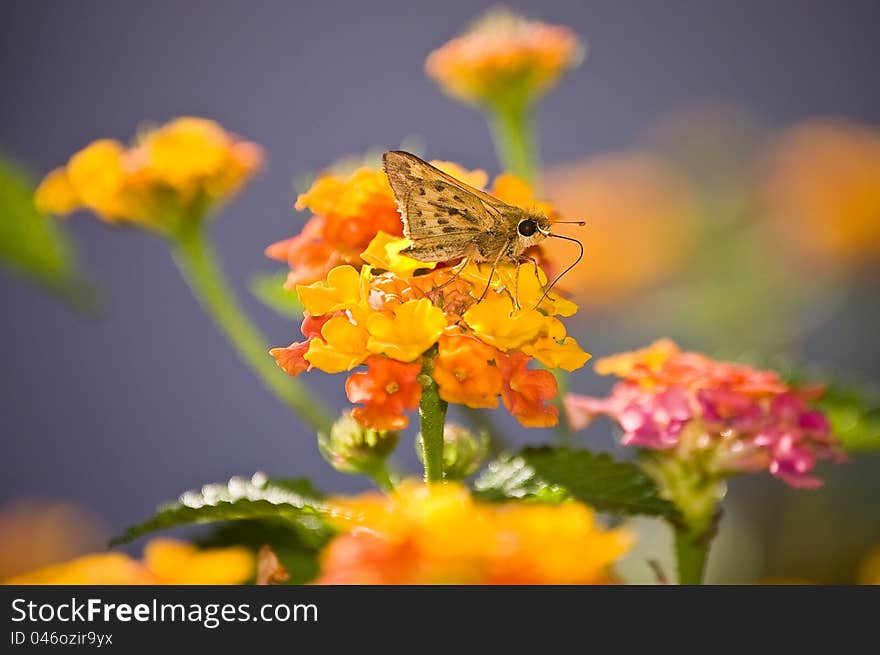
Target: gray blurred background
<point>128,409</point>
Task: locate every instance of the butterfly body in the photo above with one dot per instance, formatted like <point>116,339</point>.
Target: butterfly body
<point>447,219</point>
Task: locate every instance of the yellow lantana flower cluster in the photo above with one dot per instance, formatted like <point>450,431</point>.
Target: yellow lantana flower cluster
<point>172,173</point>
<point>430,534</point>
<point>391,314</point>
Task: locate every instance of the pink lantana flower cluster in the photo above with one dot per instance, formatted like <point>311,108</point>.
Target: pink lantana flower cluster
<point>729,417</point>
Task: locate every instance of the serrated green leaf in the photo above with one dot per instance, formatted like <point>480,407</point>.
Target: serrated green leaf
<point>290,501</point>
<point>297,555</point>
<point>33,245</point>
<point>552,474</point>
<point>269,289</point>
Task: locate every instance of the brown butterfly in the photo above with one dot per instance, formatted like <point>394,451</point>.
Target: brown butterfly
<point>447,220</point>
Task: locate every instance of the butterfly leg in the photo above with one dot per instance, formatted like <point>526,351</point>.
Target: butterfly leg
<point>534,262</point>
<point>515,296</point>
<point>492,274</point>
<point>457,269</point>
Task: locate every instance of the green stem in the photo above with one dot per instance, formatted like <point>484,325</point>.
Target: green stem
<point>432,413</point>
<point>563,427</point>
<point>196,259</point>
<point>381,478</point>
<point>511,125</point>
<point>691,553</point>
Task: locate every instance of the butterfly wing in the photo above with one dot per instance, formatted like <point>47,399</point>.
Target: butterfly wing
<point>443,217</point>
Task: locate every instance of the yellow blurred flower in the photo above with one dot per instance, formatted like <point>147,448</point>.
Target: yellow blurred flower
<point>869,570</point>
<point>515,191</point>
<point>172,173</point>
<point>504,56</point>
<point>177,562</point>
<point>434,534</point>
<point>166,561</point>
<point>822,191</point>
<point>641,222</point>
<point>651,358</point>
<point>100,568</point>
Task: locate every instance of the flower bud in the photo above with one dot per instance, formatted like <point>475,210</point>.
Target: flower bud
<point>349,447</point>
<point>463,452</point>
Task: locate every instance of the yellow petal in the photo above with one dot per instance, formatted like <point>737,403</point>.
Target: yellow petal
<point>187,151</point>
<point>384,253</point>
<point>342,347</point>
<point>56,194</point>
<point>342,290</point>
<point>566,355</point>
<point>177,562</point>
<point>495,322</point>
<point>97,176</point>
<point>526,281</point>
<point>410,330</point>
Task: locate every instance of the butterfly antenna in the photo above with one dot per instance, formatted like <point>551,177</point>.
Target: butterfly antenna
<point>581,223</point>
<point>561,275</point>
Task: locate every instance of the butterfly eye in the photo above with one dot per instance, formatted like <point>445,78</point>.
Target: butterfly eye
<point>527,227</point>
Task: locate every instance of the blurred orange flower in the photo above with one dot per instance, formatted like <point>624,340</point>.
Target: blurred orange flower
<point>36,533</point>
<point>172,173</point>
<point>641,221</point>
<point>504,56</point>
<point>438,534</point>
<point>663,364</point>
<point>821,190</point>
<point>166,561</point>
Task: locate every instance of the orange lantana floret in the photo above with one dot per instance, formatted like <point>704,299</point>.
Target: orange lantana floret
<point>466,373</point>
<point>292,359</point>
<point>387,389</point>
<point>526,392</point>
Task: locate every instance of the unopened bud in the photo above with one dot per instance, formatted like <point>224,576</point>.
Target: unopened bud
<point>463,452</point>
<point>349,447</point>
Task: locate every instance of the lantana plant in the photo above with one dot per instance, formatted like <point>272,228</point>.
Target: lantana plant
<point>414,337</point>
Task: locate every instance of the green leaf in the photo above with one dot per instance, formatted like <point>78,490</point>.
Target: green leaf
<point>853,410</point>
<point>269,289</point>
<point>552,474</point>
<point>291,501</point>
<point>33,245</point>
<point>854,415</point>
<point>297,555</point>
